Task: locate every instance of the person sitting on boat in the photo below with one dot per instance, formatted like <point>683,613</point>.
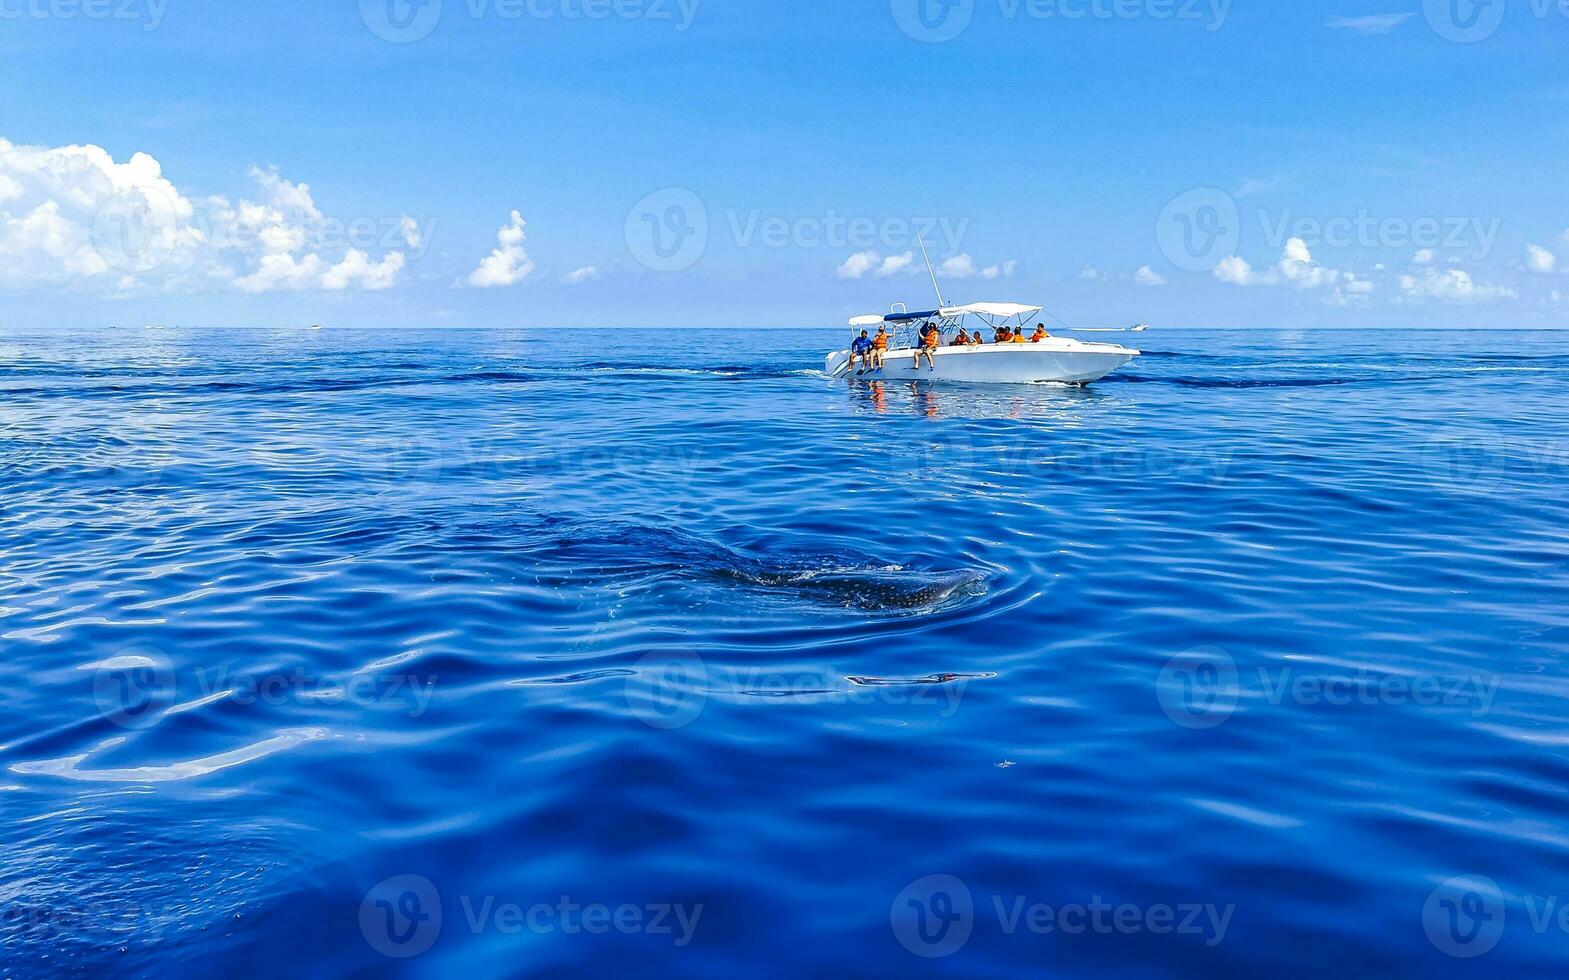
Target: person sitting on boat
<point>1040,333</point>
<point>1018,335</point>
<point>931,339</point>
<point>975,339</point>
<point>879,348</point>
<point>963,340</point>
<point>861,348</point>
<point>1004,334</point>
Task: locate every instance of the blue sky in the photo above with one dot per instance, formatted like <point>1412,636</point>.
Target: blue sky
<point>743,163</point>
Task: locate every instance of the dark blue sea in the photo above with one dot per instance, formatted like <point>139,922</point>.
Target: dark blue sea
<point>487,654</point>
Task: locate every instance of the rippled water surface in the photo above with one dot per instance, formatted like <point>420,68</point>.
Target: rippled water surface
<point>480,654</point>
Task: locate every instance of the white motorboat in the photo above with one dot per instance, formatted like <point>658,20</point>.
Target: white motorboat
<point>1050,359</point>
<point>1053,359</point>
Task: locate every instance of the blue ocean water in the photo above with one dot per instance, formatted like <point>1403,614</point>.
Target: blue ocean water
<point>479,654</point>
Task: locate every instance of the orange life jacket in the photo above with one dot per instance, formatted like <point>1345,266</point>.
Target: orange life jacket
<point>880,341</point>
<point>1040,335</point>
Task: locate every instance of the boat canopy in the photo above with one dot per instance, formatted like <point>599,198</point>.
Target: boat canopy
<point>873,319</point>
<point>1003,310</point>
<point>993,309</point>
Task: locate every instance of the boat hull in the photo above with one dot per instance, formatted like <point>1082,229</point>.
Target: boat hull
<point>1059,360</point>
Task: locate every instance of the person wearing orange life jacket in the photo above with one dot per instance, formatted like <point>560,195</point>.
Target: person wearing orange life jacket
<point>931,339</point>
<point>1018,336</point>
<point>879,348</point>
<point>963,340</point>
<point>1003,335</point>
<point>1040,333</point>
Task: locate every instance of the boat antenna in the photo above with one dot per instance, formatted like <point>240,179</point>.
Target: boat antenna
<point>941,303</point>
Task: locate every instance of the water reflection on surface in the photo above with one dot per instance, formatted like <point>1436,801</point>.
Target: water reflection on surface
<point>949,399</point>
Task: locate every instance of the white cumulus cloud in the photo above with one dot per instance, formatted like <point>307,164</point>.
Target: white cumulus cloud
<point>1424,256</point>
<point>508,264</point>
<point>74,216</point>
<point>963,266</point>
<point>895,264</point>
<point>1235,270</point>
<point>1450,286</point>
<point>1148,277</point>
<point>1540,259</point>
<point>413,237</point>
<point>357,271</point>
<point>1296,267</point>
<point>859,265</point>
<point>1353,290</point>
<point>579,276</point>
